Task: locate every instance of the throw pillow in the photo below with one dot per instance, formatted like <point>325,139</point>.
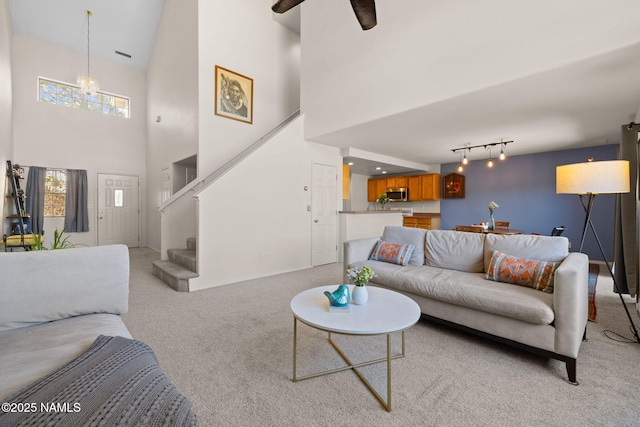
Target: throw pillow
<point>392,252</point>
<point>533,273</point>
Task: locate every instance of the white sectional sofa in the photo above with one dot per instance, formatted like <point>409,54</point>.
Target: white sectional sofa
<point>447,276</point>
<point>62,341</point>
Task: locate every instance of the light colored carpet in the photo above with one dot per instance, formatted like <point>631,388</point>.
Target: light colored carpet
<point>229,349</point>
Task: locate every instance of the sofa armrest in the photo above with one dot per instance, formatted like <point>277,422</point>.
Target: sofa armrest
<point>570,303</point>
<point>357,250</point>
<point>42,286</point>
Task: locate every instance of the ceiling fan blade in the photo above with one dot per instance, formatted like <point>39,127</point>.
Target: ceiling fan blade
<point>365,12</point>
<point>281,6</point>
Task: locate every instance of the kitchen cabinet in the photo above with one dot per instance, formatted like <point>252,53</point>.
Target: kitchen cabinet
<point>421,187</point>
<point>427,223</point>
<point>397,182</point>
<point>430,186</point>
<point>376,186</point>
<point>414,186</point>
<point>346,183</point>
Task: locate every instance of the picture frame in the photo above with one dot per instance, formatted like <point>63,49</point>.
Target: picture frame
<point>453,186</point>
<point>233,95</point>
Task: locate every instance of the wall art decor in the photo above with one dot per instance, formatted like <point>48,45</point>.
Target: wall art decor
<point>453,186</point>
<point>233,95</point>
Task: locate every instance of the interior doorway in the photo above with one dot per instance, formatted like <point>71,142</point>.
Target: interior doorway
<point>324,235</point>
<point>118,210</point>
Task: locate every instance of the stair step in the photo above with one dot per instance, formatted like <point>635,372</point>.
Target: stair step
<point>191,243</point>
<point>183,257</point>
<point>173,274</point>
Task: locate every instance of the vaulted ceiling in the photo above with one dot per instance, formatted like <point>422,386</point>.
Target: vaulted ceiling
<point>582,103</point>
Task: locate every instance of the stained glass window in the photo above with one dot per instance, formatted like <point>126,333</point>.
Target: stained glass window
<point>54,92</point>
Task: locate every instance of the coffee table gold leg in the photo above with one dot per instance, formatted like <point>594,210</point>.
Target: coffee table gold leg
<point>350,365</point>
<point>388,405</point>
<point>295,346</point>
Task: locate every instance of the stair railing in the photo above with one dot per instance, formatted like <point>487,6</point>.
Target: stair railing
<point>199,184</point>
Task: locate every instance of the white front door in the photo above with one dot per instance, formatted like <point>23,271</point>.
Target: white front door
<point>324,214</point>
<point>118,210</point>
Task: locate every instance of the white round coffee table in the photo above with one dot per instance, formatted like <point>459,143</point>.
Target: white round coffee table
<point>385,312</point>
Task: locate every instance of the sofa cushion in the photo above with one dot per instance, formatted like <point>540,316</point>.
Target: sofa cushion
<point>396,253</point>
<point>470,290</point>
<point>415,236</point>
<point>544,248</point>
<point>455,250</point>
<point>53,285</point>
<point>533,273</point>
<point>28,354</point>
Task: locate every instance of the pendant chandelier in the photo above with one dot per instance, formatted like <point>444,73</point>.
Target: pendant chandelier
<point>89,84</point>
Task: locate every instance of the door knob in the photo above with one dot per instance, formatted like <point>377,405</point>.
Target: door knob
<point>317,220</point>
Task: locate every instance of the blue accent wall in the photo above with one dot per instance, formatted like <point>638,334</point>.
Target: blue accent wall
<point>525,189</point>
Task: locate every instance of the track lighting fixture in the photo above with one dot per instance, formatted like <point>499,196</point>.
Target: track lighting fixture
<point>463,150</point>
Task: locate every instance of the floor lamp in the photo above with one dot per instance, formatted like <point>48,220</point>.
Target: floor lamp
<point>587,180</point>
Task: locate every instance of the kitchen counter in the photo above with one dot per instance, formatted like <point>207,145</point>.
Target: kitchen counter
<point>370,212</point>
<point>426,215</point>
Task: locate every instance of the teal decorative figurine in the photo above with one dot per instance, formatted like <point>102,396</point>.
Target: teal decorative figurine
<point>340,297</point>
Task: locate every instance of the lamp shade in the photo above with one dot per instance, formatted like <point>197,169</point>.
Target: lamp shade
<point>605,177</point>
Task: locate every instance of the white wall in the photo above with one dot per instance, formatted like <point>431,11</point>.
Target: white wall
<point>172,79</point>
<point>239,216</point>
<point>241,36</point>
<point>59,137</point>
<point>6,101</point>
<point>429,60</point>
<point>254,221</point>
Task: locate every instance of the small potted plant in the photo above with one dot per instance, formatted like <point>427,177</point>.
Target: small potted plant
<point>383,199</point>
<point>360,277</point>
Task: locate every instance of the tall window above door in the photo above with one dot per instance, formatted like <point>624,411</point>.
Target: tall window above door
<point>55,192</point>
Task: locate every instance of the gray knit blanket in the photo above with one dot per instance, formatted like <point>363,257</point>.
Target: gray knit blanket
<point>117,382</point>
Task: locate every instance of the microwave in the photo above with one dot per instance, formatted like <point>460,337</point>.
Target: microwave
<point>398,194</point>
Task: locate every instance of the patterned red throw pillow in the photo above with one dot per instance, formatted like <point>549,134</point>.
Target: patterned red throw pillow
<point>392,252</point>
<point>533,273</point>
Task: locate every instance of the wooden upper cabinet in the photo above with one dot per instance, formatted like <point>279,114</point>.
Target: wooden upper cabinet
<point>376,186</point>
<point>397,182</point>
<point>421,187</point>
<point>414,187</point>
<point>430,186</point>
<point>346,182</point>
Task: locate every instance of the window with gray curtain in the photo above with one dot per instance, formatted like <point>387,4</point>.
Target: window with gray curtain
<point>76,217</point>
<point>76,212</point>
<point>34,204</point>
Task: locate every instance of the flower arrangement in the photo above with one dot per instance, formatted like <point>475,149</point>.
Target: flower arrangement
<point>361,276</point>
<point>383,199</point>
<point>493,206</point>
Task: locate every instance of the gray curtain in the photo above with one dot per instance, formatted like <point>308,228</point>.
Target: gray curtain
<point>34,204</point>
<point>76,216</point>
<point>626,218</point>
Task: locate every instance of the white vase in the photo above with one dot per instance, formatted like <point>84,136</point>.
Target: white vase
<point>359,295</point>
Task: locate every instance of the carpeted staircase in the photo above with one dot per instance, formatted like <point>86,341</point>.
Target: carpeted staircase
<point>180,267</point>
